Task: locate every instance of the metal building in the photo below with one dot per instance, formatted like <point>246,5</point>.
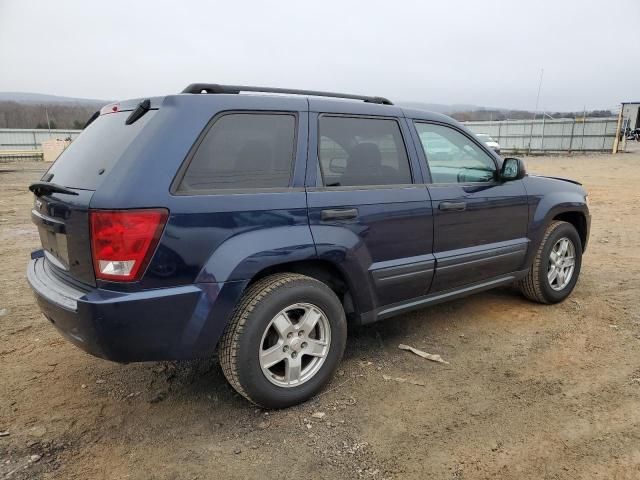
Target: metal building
<point>630,115</point>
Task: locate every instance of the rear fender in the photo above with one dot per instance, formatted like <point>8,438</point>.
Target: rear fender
<point>228,271</point>
<point>242,256</point>
<point>344,249</point>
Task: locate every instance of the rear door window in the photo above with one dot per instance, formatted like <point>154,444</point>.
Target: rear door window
<point>243,150</point>
<point>362,151</point>
<point>90,157</point>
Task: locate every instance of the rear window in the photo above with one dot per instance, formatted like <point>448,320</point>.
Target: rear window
<point>243,150</point>
<point>95,152</point>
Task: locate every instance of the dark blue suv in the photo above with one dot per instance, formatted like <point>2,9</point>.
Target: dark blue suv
<point>259,225</point>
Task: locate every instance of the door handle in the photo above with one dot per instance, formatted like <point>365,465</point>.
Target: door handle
<point>453,206</point>
<point>339,214</point>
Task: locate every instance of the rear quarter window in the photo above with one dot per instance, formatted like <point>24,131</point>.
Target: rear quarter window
<point>90,157</point>
<point>242,151</point>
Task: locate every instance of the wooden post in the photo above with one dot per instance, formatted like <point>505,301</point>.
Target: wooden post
<point>616,141</point>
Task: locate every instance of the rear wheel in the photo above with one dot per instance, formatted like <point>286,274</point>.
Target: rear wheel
<point>556,265</point>
<point>285,340</point>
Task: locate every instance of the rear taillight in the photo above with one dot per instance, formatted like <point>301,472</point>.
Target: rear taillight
<point>122,241</point>
<point>111,108</point>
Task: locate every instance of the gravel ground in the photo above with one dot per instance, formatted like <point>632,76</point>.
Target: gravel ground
<point>531,391</point>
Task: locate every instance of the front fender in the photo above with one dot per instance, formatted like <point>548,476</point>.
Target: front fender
<point>545,208</point>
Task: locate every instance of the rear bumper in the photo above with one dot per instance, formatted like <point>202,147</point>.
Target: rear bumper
<point>163,324</point>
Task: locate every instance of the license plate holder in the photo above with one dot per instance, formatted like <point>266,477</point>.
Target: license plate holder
<point>55,245</point>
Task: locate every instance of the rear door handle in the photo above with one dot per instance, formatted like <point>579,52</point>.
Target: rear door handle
<point>339,214</point>
<point>453,206</point>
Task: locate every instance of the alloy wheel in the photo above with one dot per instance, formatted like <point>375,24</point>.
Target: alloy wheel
<point>295,345</point>
<point>562,260</point>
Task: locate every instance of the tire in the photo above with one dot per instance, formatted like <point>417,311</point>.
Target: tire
<point>242,350</point>
<point>536,285</point>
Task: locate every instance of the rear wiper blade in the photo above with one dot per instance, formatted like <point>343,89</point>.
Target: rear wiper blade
<point>42,188</point>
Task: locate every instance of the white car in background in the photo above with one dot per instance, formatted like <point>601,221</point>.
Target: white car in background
<point>489,142</point>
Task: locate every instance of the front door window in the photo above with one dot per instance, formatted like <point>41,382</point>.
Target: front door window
<point>452,157</point>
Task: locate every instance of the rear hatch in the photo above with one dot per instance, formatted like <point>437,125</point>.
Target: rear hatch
<point>63,196</point>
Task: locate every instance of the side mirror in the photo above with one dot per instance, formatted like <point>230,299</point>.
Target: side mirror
<point>512,169</point>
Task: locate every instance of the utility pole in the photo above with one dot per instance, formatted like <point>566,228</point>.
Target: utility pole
<point>544,116</point>
<point>536,109</point>
<point>46,112</point>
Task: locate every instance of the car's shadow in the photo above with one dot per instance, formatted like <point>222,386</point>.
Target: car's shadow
<point>202,381</point>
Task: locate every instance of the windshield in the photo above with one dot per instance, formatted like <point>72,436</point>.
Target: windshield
<point>484,137</point>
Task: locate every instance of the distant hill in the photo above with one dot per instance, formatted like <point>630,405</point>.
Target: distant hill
<point>30,110</point>
<point>467,113</point>
<point>40,98</point>
<point>443,108</point>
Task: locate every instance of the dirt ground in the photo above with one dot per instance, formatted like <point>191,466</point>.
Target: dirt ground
<point>531,391</point>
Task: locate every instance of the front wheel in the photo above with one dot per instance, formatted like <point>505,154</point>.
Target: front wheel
<point>285,340</point>
<point>556,265</point>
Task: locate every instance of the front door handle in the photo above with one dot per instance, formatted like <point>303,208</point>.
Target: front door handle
<point>339,214</point>
<point>453,206</point>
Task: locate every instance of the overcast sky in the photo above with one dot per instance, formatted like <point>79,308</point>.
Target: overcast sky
<point>487,53</point>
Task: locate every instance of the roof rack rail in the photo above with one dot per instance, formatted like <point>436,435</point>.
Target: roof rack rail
<point>234,89</point>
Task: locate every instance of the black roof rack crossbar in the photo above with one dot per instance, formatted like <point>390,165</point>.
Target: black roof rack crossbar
<point>215,88</point>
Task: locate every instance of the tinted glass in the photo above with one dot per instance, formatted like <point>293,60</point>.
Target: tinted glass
<point>453,157</point>
<point>98,147</point>
<point>243,150</point>
<point>362,151</point>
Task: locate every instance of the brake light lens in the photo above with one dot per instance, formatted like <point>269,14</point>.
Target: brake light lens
<point>123,241</point>
<point>111,108</point>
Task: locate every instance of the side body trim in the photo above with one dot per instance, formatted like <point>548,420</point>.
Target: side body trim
<point>421,270</point>
<point>439,297</point>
